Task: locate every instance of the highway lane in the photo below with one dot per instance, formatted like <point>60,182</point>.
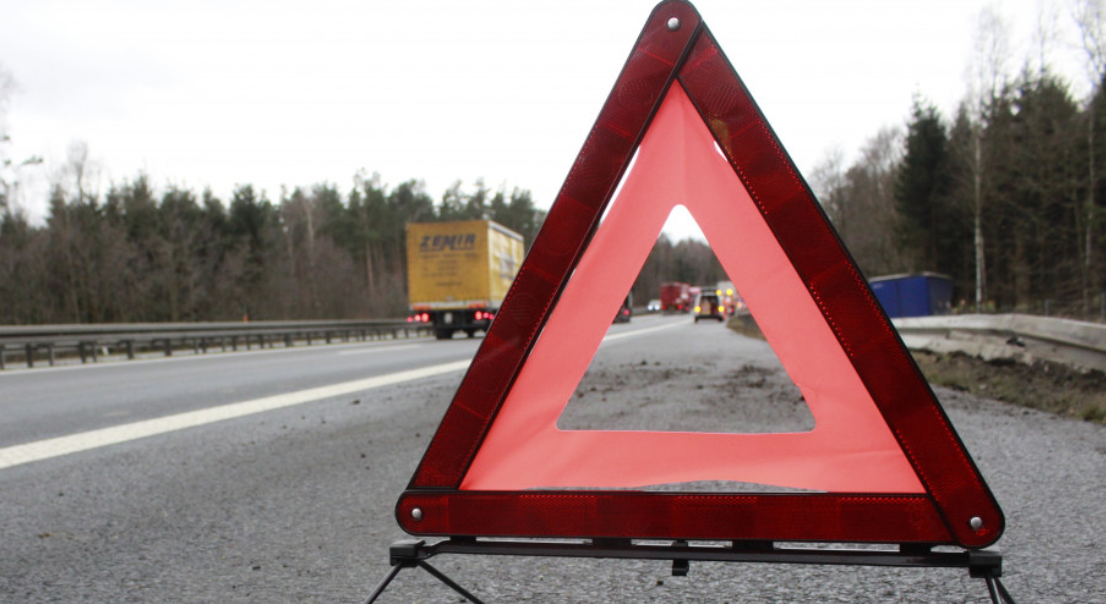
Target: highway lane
<point>295,504</point>
<point>194,515</point>
<point>44,406</point>
<point>44,403</point>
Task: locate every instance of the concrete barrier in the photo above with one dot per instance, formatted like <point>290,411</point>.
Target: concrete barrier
<point>1021,338</point>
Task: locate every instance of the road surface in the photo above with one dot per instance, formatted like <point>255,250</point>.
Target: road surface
<point>270,477</point>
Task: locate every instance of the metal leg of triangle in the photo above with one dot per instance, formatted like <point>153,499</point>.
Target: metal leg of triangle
<point>981,564</point>
<point>409,553</point>
<point>998,592</point>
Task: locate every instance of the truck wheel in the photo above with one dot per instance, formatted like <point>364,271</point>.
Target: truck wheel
<point>470,333</point>
<point>443,334</point>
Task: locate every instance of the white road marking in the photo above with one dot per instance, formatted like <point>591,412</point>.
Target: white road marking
<point>343,353</point>
<point>74,443</point>
<point>640,332</point>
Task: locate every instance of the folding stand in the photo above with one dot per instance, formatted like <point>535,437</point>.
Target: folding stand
<point>981,564</point>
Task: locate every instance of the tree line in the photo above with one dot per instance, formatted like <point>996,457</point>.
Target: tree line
<point>1005,196</point>
<point>136,255</point>
<point>1009,203</point>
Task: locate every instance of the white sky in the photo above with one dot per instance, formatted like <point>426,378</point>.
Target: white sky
<point>269,92</point>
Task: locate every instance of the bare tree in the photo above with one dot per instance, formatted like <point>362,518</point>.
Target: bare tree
<point>1045,35</point>
<point>870,212</point>
<point>828,182</point>
<point>9,169</point>
<point>987,81</point>
<point>1089,17</point>
<point>6,85</point>
<point>860,201</point>
<point>80,169</point>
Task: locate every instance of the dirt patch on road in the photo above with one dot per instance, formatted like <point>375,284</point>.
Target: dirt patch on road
<point>1043,385</point>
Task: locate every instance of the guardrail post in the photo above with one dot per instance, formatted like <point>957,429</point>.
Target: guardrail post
<point>168,347</point>
<point>328,335</point>
<point>29,350</point>
<point>287,340</point>
<point>130,349</point>
<point>1,357</point>
<point>50,354</point>
<point>81,352</point>
<point>95,359</point>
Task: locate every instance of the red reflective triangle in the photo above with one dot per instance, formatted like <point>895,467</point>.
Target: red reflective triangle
<point>849,450</point>
<point>886,461</point>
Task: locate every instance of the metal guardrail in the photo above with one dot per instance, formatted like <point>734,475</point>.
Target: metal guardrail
<point>1021,338</point>
<point>87,342</point>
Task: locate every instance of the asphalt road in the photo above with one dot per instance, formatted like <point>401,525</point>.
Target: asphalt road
<point>291,500</point>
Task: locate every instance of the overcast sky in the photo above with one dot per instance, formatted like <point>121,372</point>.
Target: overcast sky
<point>273,93</point>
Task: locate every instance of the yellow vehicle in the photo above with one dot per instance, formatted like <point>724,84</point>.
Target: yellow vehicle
<point>709,306</point>
<point>459,272</point>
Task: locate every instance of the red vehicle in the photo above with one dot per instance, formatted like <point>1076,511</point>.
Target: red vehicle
<point>627,310</point>
<point>675,297</point>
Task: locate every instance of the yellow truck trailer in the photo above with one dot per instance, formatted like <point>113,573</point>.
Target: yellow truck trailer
<point>459,272</point>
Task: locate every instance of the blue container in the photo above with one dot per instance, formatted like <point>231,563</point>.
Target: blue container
<point>913,295</point>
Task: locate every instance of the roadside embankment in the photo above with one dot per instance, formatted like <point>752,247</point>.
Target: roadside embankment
<point>990,358</point>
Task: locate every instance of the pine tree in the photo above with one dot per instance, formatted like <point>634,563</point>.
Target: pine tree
<point>921,189</point>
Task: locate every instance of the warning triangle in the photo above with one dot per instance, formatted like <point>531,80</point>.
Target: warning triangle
<point>883,459</point>
<point>851,448</point>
